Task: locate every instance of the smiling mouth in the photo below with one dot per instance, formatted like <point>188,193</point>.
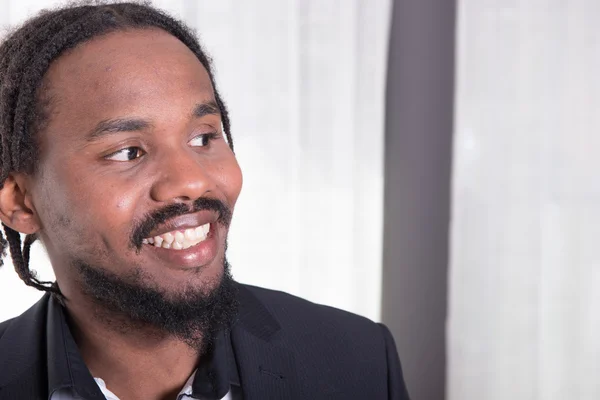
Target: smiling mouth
<point>180,239</point>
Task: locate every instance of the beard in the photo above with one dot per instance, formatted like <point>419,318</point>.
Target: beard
<point>133,303</point>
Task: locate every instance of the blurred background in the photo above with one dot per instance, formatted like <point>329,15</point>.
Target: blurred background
<point>430,164</point>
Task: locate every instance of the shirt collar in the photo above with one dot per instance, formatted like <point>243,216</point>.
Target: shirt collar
<point>216,372</point>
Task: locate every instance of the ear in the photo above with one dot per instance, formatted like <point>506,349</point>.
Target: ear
<point>16,207</point>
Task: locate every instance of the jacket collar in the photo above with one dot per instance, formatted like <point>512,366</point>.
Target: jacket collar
<point>267,368</point>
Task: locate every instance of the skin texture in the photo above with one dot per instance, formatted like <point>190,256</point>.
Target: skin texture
<point>85,199</point>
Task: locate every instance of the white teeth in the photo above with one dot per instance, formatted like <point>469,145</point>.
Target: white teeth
<point>169,238</point>
<point>190,234</point>
<point>178,240</point>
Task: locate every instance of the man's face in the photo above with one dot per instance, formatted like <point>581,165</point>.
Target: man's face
<point>133,131</point>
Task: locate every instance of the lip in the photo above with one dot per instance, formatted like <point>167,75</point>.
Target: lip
<point>196,256</point>
<point>187,221</point>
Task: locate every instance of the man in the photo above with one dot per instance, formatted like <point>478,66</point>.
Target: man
<point>116,153</point>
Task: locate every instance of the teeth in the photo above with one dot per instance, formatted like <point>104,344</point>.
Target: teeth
<point>178,240</point>
<point>168,237</point>
<point>190,234</point>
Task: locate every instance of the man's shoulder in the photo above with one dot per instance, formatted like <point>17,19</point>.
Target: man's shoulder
<point>4,326</point>
<point>280,302</point>
<point>22,343</point>
<point>30,319</point>
<point>301,315</point>
<point>25,328</point>
<point>337,353</point>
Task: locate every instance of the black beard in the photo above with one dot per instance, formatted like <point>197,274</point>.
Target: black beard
<point>131,303</point>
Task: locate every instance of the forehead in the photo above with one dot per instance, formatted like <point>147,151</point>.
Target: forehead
<point>124,72</point>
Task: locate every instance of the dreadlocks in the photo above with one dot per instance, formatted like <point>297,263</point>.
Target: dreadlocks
<point>25,56</point>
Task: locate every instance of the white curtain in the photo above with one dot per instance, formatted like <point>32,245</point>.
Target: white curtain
<point>305,83</point>
<point>524,319</point>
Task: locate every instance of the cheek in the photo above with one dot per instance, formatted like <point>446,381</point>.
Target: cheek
<point>124,202</point>
<point>110,207</point>
<point>81,211</point>
<point>64,230</point>
<point>55,202</point>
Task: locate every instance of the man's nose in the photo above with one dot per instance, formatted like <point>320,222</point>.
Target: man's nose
<point>182,175</point>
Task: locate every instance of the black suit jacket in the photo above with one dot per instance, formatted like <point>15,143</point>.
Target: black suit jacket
<point>285,348</point>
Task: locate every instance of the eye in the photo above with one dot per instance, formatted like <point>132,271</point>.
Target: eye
<point>126,154</point>
<point>202,139</point>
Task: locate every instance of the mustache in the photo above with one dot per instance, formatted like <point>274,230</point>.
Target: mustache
<point>153,220</point>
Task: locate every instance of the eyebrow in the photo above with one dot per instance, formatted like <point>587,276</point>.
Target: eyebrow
<point>111,126</point>
<point>208,108</point>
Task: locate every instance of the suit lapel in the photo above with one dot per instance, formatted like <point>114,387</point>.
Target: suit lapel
<point>267,369</point>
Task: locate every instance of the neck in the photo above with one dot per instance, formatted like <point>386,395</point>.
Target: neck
<point>135,361</point>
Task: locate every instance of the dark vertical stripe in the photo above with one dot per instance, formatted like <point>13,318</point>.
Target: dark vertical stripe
<point>418,142</point>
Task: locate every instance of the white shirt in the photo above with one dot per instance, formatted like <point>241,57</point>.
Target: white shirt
<point>184,394</point>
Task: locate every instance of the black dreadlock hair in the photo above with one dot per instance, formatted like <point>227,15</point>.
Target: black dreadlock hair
<point>25,56</point>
